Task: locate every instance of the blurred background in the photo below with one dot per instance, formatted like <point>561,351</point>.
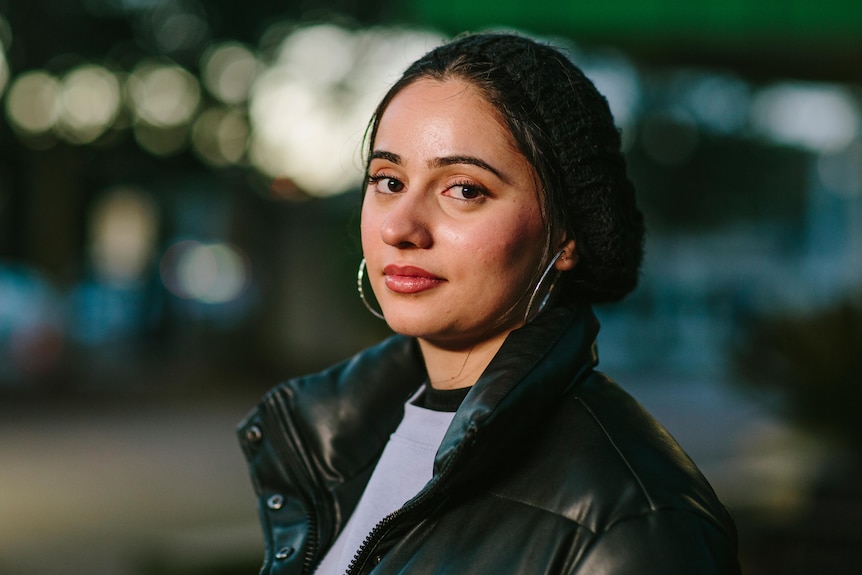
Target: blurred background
<point>178,232</point>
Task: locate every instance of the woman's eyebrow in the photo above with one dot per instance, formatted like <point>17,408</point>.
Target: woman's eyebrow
<point>384,155</point>
<point>441,162</point>
<point>473,161</point>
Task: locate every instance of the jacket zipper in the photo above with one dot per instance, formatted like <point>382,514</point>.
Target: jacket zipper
<point>376,535</point>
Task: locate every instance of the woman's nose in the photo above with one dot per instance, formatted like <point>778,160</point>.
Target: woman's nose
<point>408,223</point>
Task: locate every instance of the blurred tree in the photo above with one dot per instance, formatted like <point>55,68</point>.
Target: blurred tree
<point>814,361</point>
<point>727,180</point>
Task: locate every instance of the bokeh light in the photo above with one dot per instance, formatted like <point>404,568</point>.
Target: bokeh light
<point>719,103</point>
<point>618,80</point>
<point>220,136</point>
<point>164,99</point>
<point>123,229</point>
<point>163,95</point>
<point>319,55</point>
<point>33,102</point>
<point>5,43</point>
<point>298,114</point>
<point>89,102</point>
<point>308,110</point>
<point>228,72</point>
<point>819,117</point>
<point>4,70</point>
<point>210,273</point>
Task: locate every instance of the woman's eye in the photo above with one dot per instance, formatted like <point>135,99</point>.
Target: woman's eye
<point>465,192</point>
<point>393,185</point>
<point>386,184</point>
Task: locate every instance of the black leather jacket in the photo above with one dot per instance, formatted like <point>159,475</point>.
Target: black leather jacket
<point>548,467</point>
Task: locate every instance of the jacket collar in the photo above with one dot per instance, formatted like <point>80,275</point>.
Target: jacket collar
<point>527,377</point>
<point>346,414</point>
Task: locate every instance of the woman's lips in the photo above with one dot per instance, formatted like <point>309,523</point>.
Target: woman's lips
<point>409,279</point>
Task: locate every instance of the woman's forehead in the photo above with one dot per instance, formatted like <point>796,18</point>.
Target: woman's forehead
<point>449,113</point>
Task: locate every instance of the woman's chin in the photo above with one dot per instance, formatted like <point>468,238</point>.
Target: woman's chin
<point>414,326</point>
<point>438,332</point>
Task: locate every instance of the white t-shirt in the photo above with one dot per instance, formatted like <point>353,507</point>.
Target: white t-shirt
<point>406,465</point>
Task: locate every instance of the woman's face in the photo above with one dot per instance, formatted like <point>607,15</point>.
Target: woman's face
<point>452,230</point>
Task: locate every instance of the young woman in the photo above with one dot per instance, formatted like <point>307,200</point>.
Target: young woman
<point>481,439</point>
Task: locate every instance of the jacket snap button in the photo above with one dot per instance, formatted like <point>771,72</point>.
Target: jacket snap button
<point>284,553</point>
<point>275,502</point>
<point>378,558</point>
<point>253,434</point>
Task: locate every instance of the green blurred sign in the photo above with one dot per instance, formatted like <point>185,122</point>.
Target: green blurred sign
<point>659,21</point>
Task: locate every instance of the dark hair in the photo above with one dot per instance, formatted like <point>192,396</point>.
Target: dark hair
<point>565,129</point>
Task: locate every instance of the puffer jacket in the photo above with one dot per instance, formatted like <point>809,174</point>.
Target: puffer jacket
<point>547,468</point>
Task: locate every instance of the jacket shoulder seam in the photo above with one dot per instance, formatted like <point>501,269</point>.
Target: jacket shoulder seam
<point>623,458</point>
<point>543,509</point>
<point>661,510</point>
<point>634,516</point>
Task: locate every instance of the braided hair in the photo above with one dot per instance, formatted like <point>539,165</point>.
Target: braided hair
<point>564,127</point>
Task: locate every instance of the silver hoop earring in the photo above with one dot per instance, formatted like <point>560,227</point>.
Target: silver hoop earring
<point>360,276</point>
<point>530,315</point>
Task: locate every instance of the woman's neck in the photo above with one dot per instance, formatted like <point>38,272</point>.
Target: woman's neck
<point>452,368</point>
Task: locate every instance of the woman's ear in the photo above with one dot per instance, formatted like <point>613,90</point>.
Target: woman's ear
<point>569,259</point>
